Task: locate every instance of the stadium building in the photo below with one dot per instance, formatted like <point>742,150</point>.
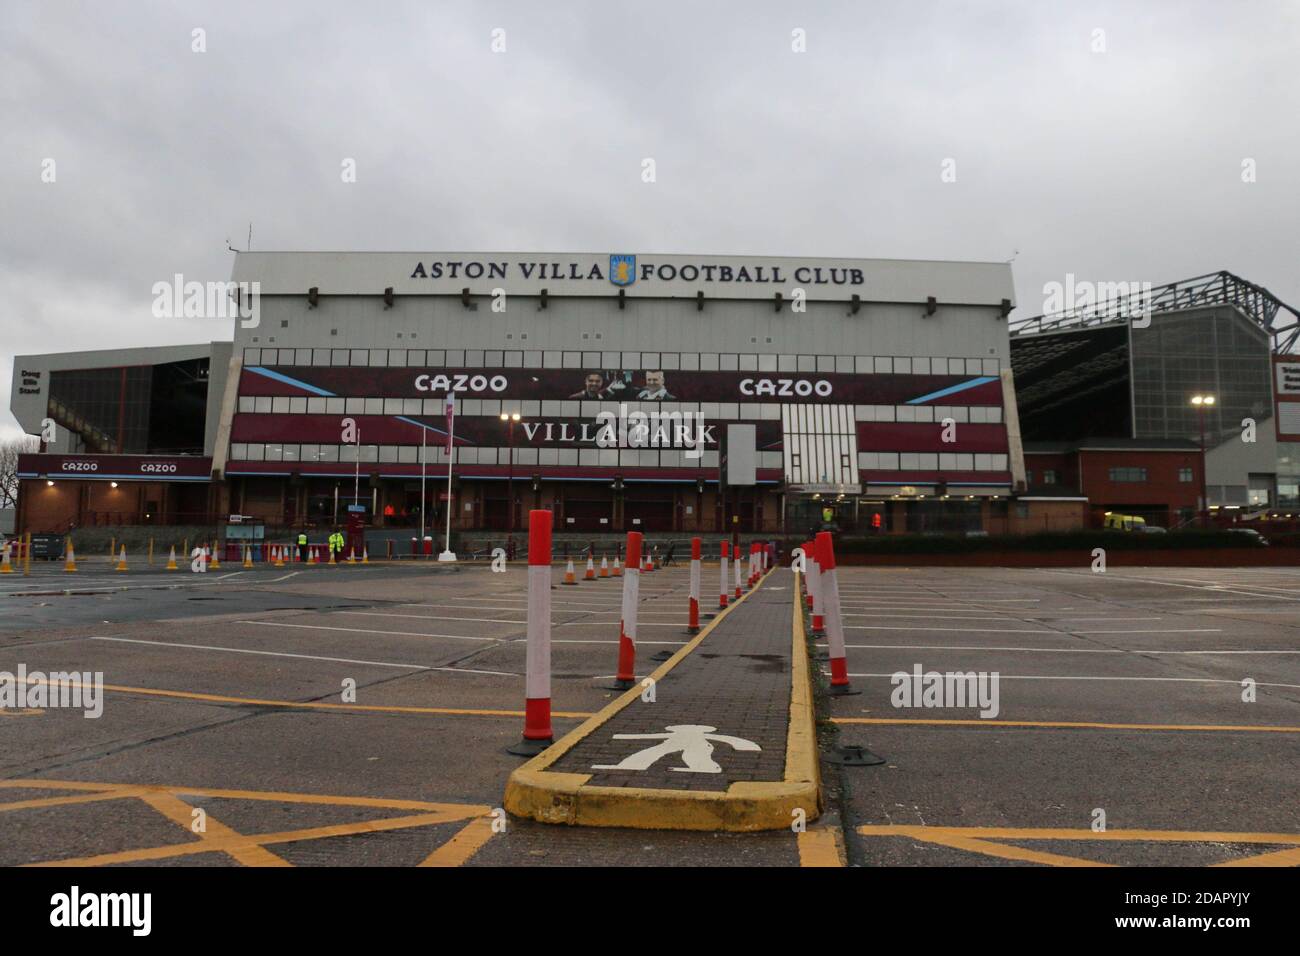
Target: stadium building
<point>1117,389</point>
<point>662,393</point>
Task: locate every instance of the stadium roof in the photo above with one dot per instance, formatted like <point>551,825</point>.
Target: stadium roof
<point>1215,288</point>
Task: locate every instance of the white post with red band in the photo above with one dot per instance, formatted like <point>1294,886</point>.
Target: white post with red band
<point>693,613</point>
<point>722,590</point>
<point>816,592</point>
<point>537,666</point>
<point>830,595</point>
<point>626,675</point>
<point>809,557</point>
<point>737,566</point>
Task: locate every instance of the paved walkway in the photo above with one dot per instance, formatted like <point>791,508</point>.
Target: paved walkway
<point>718,729</point>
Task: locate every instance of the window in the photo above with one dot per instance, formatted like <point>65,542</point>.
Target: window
<point>1185,474</point>
<point>1049,476</point>
<point>1131,475</point>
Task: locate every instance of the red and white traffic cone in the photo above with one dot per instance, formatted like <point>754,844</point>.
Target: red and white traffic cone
<point>569,576</point>
<point>618,567</point>
<point>722,590</point>
<point>591,569</point>
<point>604,566</point>
<point>537,659</point>
<point>626,676</point>
<point>814,580</point>
<point>830,593</point>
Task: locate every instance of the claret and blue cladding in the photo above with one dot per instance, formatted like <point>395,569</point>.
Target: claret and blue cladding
<point>876,380</point>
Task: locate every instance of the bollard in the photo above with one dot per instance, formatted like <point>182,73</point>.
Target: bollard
<point>736,563</point>
<point>537,663</point>
<point>693,613</point>
<point>722,590</point>
<point>830,594</point>
<point>569,576</point>
<point>626,676</point>
<point>814,575</point>
<point>810,557</point>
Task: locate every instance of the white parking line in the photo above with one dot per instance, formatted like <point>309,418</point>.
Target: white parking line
<point>1040,650</point>
<point>1019,630</point>
<point>1170,680</point>
<point>363,630</point>
<point>432,617</point>
<point>307,657</point>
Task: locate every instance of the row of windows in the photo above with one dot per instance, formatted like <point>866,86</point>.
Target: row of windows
<point>609,457</point>
<point>573,408</point>
<point>1128,474</point>
<point>684,361</point>
<point>473,455</point>
<point>930,461</point>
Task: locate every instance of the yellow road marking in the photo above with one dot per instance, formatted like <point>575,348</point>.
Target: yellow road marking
<point>978,840</point>
<point>468,841</point>
<point>250,849</point>
<point>239,842</point>
<point>182,814</point>
<point>319,705</point>
<point>1087,725</point>
<point>1276,858</point>
<point>67,801</point>
<point>276,796</point>
<point>821,846</point>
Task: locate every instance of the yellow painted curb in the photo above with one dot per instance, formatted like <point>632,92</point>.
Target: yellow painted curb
<point>538,793</point>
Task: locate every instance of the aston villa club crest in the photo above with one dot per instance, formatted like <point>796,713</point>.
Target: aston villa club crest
<point>622,270</point>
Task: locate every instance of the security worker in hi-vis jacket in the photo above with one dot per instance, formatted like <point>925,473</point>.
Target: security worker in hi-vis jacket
<point>302,546</point>
<point>336,545</point>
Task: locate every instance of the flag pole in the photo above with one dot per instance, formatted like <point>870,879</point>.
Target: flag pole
<point>447,553</point>
<point>424,432</point>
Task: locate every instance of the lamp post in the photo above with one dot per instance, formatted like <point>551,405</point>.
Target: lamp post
<point>1202,403</point>
<point>510,420</point>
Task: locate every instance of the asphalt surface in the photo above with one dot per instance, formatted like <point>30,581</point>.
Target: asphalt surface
<point>229,693</point>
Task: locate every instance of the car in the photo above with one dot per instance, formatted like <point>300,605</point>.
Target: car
<point>1259,539</point>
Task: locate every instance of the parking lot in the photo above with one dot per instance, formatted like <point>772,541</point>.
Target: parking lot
<point>230,693</point>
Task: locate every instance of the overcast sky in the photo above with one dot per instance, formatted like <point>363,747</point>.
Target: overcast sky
<point>1119,165</point>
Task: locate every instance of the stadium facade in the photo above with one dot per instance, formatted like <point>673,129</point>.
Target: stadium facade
<point>870,393</point>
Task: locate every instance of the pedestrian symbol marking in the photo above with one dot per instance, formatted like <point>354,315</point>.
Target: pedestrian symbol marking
<point>693,741</point>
